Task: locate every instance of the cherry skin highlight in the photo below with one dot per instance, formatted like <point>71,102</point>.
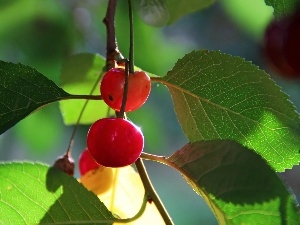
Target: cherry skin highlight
<point>86,163</point>
<point>112,89</point>
<point>115,142</point>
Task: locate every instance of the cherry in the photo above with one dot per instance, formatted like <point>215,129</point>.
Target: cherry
<point>112,89</point>
<point>115,142</point>
<point>292,46</point>
<point>65,163</point>
<point>86,163</point>
<point>282,46</point>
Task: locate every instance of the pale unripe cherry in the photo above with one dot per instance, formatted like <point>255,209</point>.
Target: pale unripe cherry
<point>112,89</point>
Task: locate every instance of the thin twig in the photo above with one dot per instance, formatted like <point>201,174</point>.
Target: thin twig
<point>138,214</point>
<point>85,97</point>
<point>151,193</point>
<point>68,152</point>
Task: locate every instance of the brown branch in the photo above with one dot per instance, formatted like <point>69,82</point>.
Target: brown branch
<point>112,52</point>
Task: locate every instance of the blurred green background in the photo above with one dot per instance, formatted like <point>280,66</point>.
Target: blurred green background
<point>42,34</point>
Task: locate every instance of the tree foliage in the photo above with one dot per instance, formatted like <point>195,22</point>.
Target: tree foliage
<point>241,128</point>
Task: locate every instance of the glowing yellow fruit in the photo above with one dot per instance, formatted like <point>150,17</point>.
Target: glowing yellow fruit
<point>125,198</point>
<point>123,195</point>
<point>99,180</point>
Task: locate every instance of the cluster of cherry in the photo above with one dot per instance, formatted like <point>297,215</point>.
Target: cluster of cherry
<point>282,45</point>
<point>116,142</point>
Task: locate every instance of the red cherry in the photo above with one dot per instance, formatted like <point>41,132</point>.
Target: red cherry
<point>115,142</point>
<point>65,163</point>
<point>112,89</point>
<point>86,162</point>
<point>274,44</point>
<point>292,43</point>
<point>282,46</point>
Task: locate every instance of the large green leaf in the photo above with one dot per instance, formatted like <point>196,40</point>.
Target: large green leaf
<point>36,194</point>
<point>23,90</point>
<point>79,74</point>
<point>161,12</point>
<point>219,96</point>
<point>238,185</point>
<point>283,7</point>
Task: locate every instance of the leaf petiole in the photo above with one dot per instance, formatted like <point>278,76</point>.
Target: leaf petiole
<point>87,97</point>
<point>138,214</point>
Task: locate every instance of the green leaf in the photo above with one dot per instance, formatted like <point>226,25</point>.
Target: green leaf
<point>36,194</point>
<point>23,90</point>
<point>238,185</point>
<point>283,7</point>
<point>160,12</point>
<point>153,12</point>
<point>35,141</point>
<point>219,96</point>
<point>179,8</point>
<point>251,17</point>
<point>79,74</point>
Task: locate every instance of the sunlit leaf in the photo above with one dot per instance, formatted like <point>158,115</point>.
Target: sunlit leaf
<point>153,12</point>
<point>160,12</point>
<point>79,74</point>
<point>24,10</point>
<point>36,194</point>
<point>179,8</point>
<point>23,90</point>
<point>283,7</point>
<point>237,184</point>
<point>125,195</point>
<point>36,141</point>
<point>250,16</point>
<point>219,96</point>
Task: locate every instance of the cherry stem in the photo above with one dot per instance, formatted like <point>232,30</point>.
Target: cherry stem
<point>138,214</point>
<point>125,93</point>
<point>87,97</point>
<point>131,45</point>
<point>112,52</point>
<point>151,193</point>
<point>129,65</point>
